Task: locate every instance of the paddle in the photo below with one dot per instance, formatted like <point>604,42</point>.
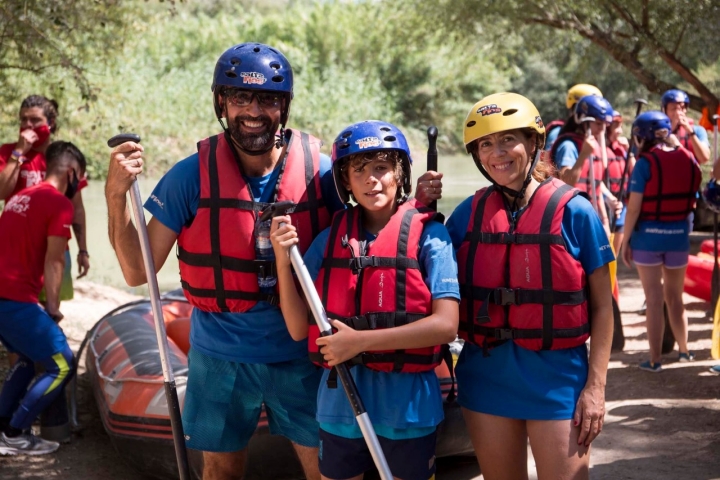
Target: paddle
<point>170,389</point>
<point>715,285</point>
<point>432,156</point>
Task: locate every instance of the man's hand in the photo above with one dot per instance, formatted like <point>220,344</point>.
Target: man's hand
<point>83,263</point>
<point>26,140</point>
<point>588,146</point>
<point>125,164</point>
<point>56,315</point>
<point>429,187</point>
<point>623,142</point>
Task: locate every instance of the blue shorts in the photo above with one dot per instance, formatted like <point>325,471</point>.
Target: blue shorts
<point>645,258</point>
<point>224,399</point>
<point>26,328</point>
<point>409,459</point>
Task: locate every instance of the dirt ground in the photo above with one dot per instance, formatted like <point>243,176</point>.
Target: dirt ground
<point>658,426</point>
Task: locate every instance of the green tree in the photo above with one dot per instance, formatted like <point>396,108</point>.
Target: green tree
<point>660,43</point>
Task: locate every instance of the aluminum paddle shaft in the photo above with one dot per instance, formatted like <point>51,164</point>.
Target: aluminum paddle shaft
<point>169,379</point>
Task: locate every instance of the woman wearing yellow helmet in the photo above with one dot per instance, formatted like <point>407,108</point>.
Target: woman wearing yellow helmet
<point>532,259</point>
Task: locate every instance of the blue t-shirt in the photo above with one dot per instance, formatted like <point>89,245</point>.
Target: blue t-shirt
<point>566,154</point>
<point>400,405</point>
<point>701,134</point>
<point>652,235</point>
<point>551,137</point>
<point>515,382</point>
<point>260,334</point>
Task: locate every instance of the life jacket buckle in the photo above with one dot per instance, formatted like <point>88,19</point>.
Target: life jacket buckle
<point>358,263</point>
<point>503,334</point>
<point>507,238</point>
<point>505,296</point>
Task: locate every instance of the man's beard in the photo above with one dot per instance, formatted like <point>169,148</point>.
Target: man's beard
<point>254,142</point>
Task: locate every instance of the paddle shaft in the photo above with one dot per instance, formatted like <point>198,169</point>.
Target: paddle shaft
<point>432,156</point>
<point>591,169</point>
<point>168,376</point>
<point>715,286</point>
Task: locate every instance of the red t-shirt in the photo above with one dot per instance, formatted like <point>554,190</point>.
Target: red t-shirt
<point>32,171</point>
<point>27,221</point>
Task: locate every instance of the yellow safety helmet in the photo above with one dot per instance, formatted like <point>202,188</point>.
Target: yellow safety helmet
<point>580,90</point>
<point>500,112</point>
<point>497,113</point>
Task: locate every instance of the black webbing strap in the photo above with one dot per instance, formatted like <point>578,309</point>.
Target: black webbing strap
<point>522,296</point>
<point>375,320</point>
<point>214,207</point>
<point>400,357</point>
<point>312,195</point>
<point>231,294</point>
<point>546,263</point>
<point>531,333</point>
<point>506,238</point>
<point>450,362</point>
<point>225,262</point>
<point>358,263</point>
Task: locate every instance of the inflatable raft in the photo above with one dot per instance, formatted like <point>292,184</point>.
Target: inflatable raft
<point>698,276</point>
<point>123,364</point>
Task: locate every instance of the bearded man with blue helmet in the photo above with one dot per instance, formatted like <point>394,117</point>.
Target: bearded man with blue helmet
<point>242,357</point>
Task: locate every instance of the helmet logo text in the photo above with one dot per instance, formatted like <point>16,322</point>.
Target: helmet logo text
<point>489,109</point>
<point>367,142</point>
<point>253,78</point>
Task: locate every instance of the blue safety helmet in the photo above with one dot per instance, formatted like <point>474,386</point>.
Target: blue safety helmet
<point>369,136</point>
<point>711,194</point>
<point>608,111</point>
<point>616,116</point>
<point>254,66</point>
<point>651,125</point>
<point>674,96</point>
<point>592,106</point>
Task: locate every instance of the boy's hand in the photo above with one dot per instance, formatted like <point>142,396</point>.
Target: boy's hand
<point>341,346</point>
<point>282,239</point>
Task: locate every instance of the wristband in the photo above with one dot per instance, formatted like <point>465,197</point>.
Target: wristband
<point>691,133</point>
<point>18,155</point>
<point>83,252</point>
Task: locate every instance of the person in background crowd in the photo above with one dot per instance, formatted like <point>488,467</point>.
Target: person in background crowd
<point>23,164</point>
<point>577,149</point>
<point>574,94</point>
<point>663,190</point>
<point>674,103</point>
<point>524,371</point>
<point>39,218</point>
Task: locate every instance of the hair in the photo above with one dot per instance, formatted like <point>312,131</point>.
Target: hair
<point>649,144</point>
<point>542,170</point>
<point>570,126</point>
<point>358,160</point>
<point>49,108</point>
<point>58,151</point>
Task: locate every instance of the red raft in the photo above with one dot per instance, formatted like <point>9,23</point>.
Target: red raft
<point>698,276</point>
<point>124,366</point>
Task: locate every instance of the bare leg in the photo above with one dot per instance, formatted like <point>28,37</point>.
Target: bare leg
<point>500,445</point>
<point>557,453</point>
<point>673,279</point>
<point>224,466</point>
<point>309,460</point>
<point>651,279</point>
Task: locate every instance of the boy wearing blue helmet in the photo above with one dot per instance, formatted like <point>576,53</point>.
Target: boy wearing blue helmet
<point>387,277</point>
<point>674,104</point>
<point>663,190</point>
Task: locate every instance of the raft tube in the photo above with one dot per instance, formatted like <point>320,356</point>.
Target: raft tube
<point>123,364</point>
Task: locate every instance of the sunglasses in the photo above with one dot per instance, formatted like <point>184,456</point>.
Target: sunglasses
<point>243,98</point>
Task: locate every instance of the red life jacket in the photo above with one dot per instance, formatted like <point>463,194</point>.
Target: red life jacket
<point>216,252</point>
<point>377,286</point>
<point>615,168</point>
<point>583,183</point>
<point>684,137</point>
<point>670,193</point>
<point>518,281</point>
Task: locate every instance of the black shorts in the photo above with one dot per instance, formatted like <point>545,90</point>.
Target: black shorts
<point>408,459</point>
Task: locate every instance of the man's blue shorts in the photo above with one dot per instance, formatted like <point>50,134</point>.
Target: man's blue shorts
<point>224,399</point>
<point>26,328</point>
